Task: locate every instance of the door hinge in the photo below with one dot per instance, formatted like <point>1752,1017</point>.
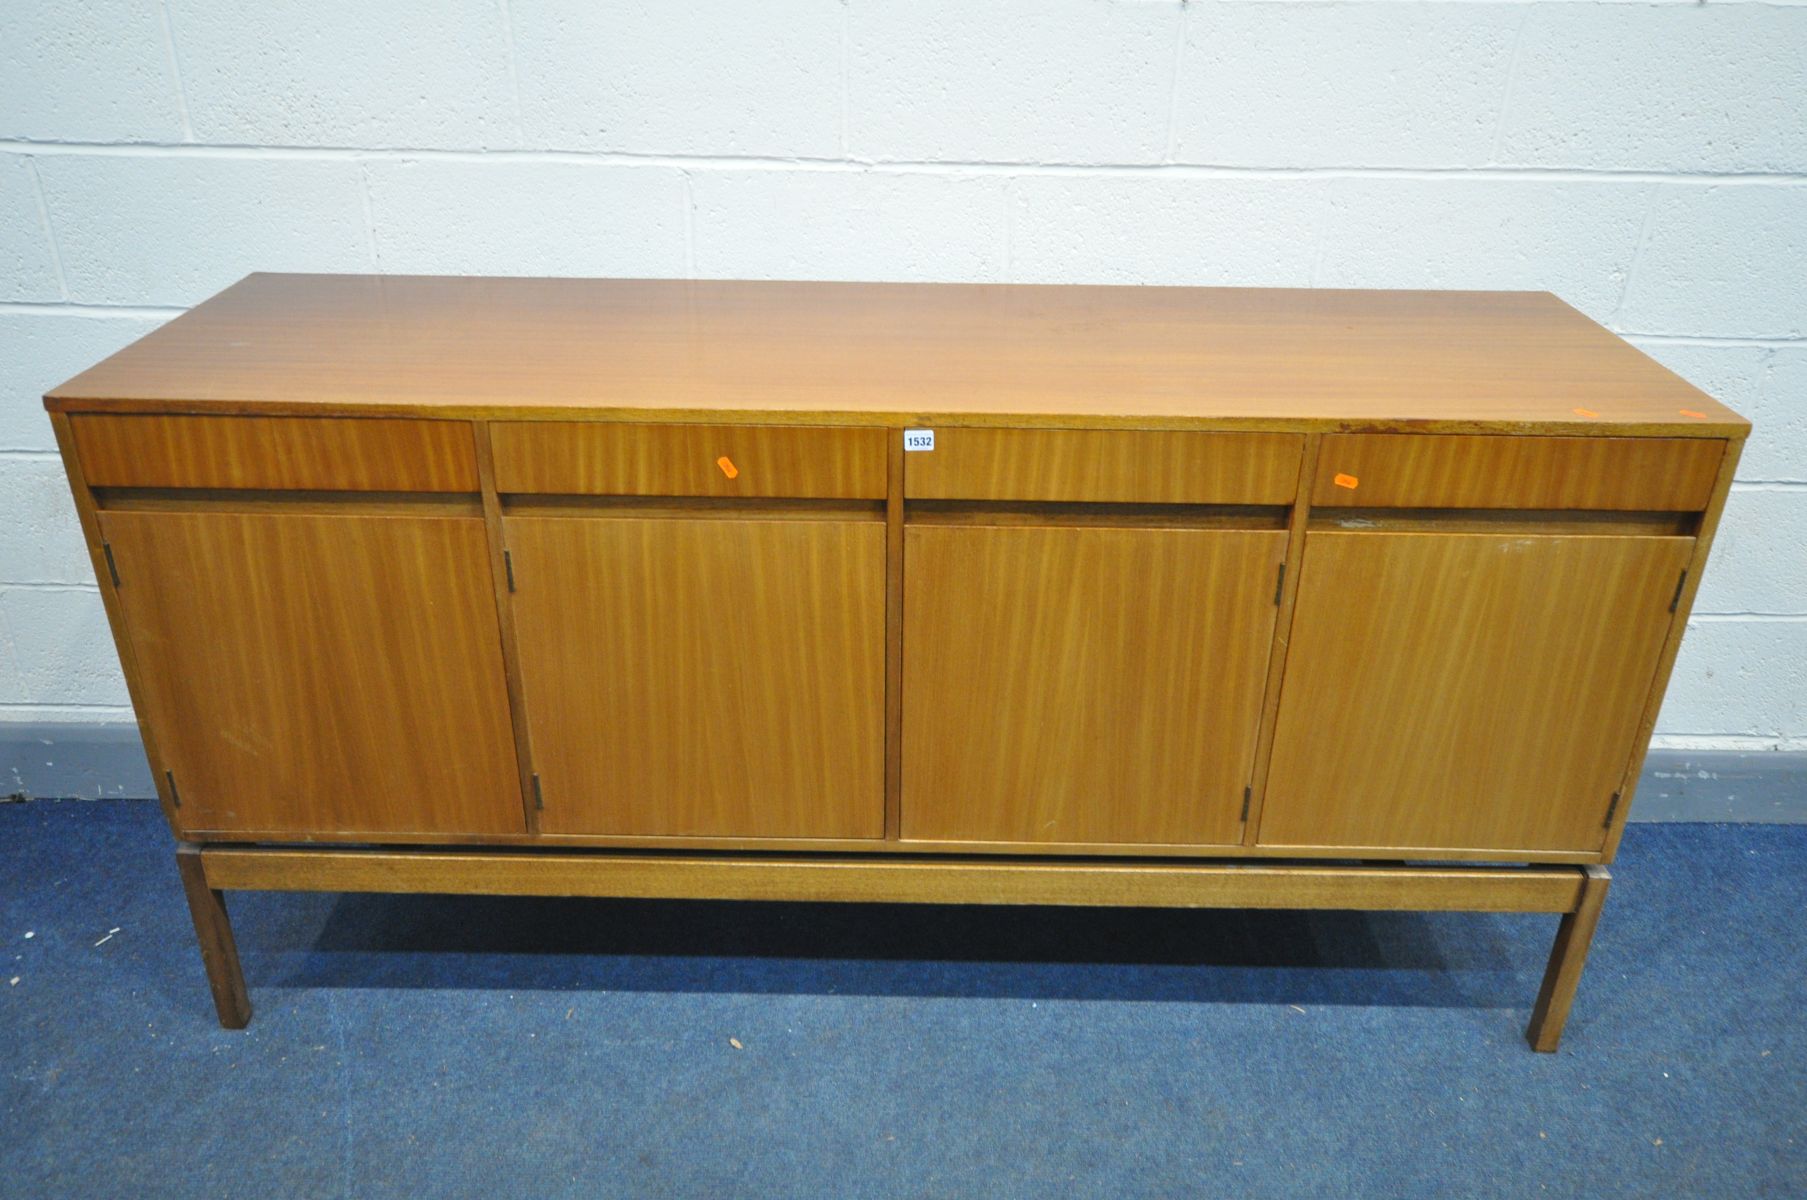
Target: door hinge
<point>1280,584</point>
<point>508,567</point>
<point>1246,793</point>
<point>175,797</point>
<point>1610,810</point>
<point>106,549</point>
<point>539,801</point>
<point>1679,583</point>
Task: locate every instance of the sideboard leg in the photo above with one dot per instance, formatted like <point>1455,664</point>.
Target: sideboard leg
<point>1567,957</point>
<point>214,932</point>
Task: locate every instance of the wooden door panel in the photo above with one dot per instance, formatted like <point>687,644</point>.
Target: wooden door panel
<point>1465,691</point>
<point>1083,684</point>
<point>321,674</point>
<point>704,677</point>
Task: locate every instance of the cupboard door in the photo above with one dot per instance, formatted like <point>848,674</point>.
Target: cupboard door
<point>1083,684</point>
<point>703,677</point>
<point>321,674</point>
<point>1474,692</point>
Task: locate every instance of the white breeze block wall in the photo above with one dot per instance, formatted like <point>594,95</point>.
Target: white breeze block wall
<point>1645,161</point>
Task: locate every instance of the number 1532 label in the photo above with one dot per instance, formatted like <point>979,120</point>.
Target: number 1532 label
<point>919,439</point>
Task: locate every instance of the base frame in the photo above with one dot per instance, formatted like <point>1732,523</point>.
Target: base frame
<point>1576,893</point>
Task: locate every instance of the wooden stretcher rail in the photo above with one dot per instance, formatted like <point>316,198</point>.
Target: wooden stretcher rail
<point>899,881</point>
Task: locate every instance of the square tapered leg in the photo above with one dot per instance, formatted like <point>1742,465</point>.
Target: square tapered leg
<point>213,930</point>
<point>1567,957</point>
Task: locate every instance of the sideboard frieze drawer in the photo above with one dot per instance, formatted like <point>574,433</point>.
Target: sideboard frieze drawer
<point>597,458</point>
<point>1129,466</point>
<point>1381,470</point>
<point>350,454</point>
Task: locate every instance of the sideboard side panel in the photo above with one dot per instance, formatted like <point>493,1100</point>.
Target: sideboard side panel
<point>1678,626</point>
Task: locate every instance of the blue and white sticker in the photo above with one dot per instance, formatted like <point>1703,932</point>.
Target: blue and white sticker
<point>919,439</point>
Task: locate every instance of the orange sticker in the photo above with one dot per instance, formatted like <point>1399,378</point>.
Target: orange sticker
<point>1348,481</point>
<point>727,466</point>
<point>1688,412</point>
<point>1586,412</point>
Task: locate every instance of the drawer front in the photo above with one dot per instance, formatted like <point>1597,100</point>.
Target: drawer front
<point>327,454</point>
<point>1116,466</point>
<point>601,459</point>
<point>1480,471</point>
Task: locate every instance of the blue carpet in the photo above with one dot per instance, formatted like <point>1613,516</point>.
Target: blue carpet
<point>438,1046</point>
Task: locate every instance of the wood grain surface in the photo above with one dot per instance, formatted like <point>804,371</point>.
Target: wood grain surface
<point>595,458</point>
<point>1075,685</point>
<point>366,455</point>
<point>697,676</point>
<point>332,673</point>
<point>1097,465</point>
<point>901,881</point>
<point>1516,472</point>
<point>891,353</point>
<point>1477,690</point>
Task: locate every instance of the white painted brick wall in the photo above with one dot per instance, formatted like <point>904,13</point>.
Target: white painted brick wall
<point>1414,85</point>
<point>849,225</point>
<point>1645,161</point>
<point>154,229</point>
<point>1015,81</point>
<point>468,217</point>
<point>345,73</point>
<point>1154,229</point>
<point>98,70</point>
<point>48,657</point>
<point>1728,259</point>
<point>1610,88</point>
<point>39,348</point>
<point>1473,233</point>
<point>27,265</point>
<point>701,77</point>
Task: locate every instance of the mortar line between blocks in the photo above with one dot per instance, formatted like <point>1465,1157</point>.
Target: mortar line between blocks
<point>846,72</point>
<point>1637,253</point>
<point>1173,83</point>
<point>376,253</point>
<point>56,254</point>
<point>689,201</point>
<point>175,70</point>
<point>85,308</point>
<point>1499,120</point>
<point>508,58</point>
<point>856,164</point>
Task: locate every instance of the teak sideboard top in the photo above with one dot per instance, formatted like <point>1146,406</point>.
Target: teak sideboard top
<point>889,354</point>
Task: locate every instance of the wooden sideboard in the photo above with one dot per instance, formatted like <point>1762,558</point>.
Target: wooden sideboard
<point>986,594</point>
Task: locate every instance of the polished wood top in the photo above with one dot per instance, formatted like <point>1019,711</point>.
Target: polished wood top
<point>884,353</point>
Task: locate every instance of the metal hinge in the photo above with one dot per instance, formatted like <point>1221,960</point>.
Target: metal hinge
<point>1677,598</point>
<point>1610,810</point>
<point>1280,584</point>
<point>508,566</point>
<point>175,797</point>
<point>106,548</point>
<point>539,801</point>
<point>1246,793</point>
